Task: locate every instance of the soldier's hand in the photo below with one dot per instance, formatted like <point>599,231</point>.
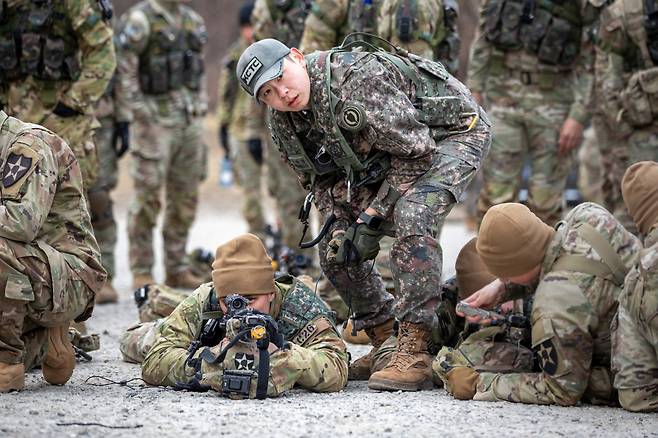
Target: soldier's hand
<point>65,111</point>
<point>571,134</point>
<point>359,244</point>
<point>255,146</point>
<point>121,138</point>
<point>334,244</point>
<point>486,298</point>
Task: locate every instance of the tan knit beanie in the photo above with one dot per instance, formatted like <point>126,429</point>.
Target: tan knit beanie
<point>242,267</point>
<point>639,187</point>
<point>472,274</point>
<point>512,240</point>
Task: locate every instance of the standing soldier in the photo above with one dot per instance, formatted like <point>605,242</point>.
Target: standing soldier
<point>524,61</point>
<point>161,70</point>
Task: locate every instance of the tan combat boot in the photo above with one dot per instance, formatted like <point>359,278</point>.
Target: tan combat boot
<point>59,362</point>
<point>361,337</point>
<point>360,369</point>
<point>183,280</point>
<point>140,280</point>
<point>410,367</point>
<point>12,377</point>
<point>108,294</point>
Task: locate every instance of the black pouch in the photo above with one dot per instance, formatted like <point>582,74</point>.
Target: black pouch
<point>176,63</point>
<point>533,33</point>
<point>53,58</point>
<point>193,70</point>
<point>510,25</point>
<point>8,58</point>
<point>30,54</point>
<point>492,27</point>
<point>554,42</point>
<point>156,77</point>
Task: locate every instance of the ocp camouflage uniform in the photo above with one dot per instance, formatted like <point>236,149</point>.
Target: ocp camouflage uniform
<point>161,70</point>
<point>50,267</point>
<point>630,77</point>
<point>530,77</point>
<point>575,301</point>
<point>245,119</point>
<point>429,168</point>
<point>316,360</point>
<point>67,58</point>
<point>635,333</point>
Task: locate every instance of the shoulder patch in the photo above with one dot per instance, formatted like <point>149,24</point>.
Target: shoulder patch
<point>20,163</point>
<point>352,117</point>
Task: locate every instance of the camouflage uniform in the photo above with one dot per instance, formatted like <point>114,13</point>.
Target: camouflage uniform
<point>161,71</point>
<point>50,266</point>
<point>429,168</point>
<point>316,360</point>
<point>530,76</point>
<point>245,119</point>
<point>629,78</point>
<point>571,314</point>
<point>67,58</point>
<point>635,333</point>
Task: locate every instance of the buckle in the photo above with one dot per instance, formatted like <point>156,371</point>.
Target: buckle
<point>236,383</point>
<point>526,78</point>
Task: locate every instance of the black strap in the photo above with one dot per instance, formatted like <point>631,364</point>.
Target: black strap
<point>263,371</point>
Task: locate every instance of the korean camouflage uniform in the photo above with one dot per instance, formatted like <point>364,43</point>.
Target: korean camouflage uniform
<point>572,313</point>
<point>635,333</point>
<point>67,57</point>
<point>316,360</point>
<point>161,71</point>
<point>429,168</point>
<point>50,267</point>
<point>529,73</point>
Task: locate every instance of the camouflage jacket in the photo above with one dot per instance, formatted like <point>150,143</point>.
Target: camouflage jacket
<point>571,317</point>
<point>138,27</point>
<point>43,204</point>
<point>316,360</point>
<point>235,107</point>
<point>384,98</point>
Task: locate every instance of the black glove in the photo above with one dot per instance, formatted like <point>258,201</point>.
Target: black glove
<point>255,146</point>
<point>62,110</point>
<point>358,244</point>
<point>121,132</point>
<point>223,139</point>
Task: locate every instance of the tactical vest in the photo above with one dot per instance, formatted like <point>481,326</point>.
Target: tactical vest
<point>549,29</point>
<point>37,39</point>
<point>443,113</point>
<point>173,57</point>
<point>289,17</point>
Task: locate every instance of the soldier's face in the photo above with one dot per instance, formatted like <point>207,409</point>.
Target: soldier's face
<point>292,90</point>
<point>526,279</point>
<point>260,303</point>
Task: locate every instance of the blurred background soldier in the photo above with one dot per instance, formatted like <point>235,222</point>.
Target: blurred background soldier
<point>161,69</point>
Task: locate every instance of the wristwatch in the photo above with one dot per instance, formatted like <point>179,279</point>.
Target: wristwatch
<point>374,222</point>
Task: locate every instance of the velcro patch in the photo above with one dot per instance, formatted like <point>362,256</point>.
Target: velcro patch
<point>353,117</point>
<point>547,355</point>
<point>316,326</point>
<point>20,163</point>
<point>244,361</point>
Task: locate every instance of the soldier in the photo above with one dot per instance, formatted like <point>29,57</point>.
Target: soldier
<point>161,70</point>
<point>629,76</point>
<point>241,124</point>
<point>635,331</point>
<point>575,273</point>
<point>50,266</point>
<point>316,357</point>
<point>375,165</point>
<point>524,60</point>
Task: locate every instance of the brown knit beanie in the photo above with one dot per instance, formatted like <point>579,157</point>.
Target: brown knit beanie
<point>242,267</point>
<point>472,274</point>
<point>639,187</point>
<point>512,240</point>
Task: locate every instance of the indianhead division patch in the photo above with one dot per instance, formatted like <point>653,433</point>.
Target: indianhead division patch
<point>547,355</point>
<point>353,117</point>
<point>16,166</point>
<point>244,361</point>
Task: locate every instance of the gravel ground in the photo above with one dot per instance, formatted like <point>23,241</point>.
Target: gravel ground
<point>83,408</point>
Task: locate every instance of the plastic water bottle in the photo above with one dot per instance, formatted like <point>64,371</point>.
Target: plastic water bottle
<point>226,173</point>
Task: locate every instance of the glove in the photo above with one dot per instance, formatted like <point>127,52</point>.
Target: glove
<point>462,382</point>
<point>360,243</point>
<point>223,139</point>
<point>121,132</point>
<point>255,146</point>
<point>64,111</point>
<point>334,245</point>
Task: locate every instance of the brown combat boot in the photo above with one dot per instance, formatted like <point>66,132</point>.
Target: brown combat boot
<point>360,369</point>
<point>12,377</point>
<point>108,294</point>
<point>183,280</point>
<point>140,280</point>
<point>361,337</point>
<point>58,365</point>
<point>410,367</point>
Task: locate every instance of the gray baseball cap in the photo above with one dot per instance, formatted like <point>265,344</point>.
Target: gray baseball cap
<point>261,62</point>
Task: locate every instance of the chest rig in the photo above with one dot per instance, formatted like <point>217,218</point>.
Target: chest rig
<point>37,39</point>
<point>289,17</point>
<point>549,29</point>
<point>172,58</point>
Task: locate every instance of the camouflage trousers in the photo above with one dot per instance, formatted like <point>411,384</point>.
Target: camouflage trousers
<point>136,342</point>
<point>416,255</point>
<point>102,215</point>
<point>526,124</point>
<point>165,157</point>
<point>28,304</point>
<point>249,177</point>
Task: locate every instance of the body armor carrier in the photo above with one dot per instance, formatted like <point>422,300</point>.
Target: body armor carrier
<point>289,17</point>
<point>37,39</point>
<point>549,29</point>
<point>172,58</point>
